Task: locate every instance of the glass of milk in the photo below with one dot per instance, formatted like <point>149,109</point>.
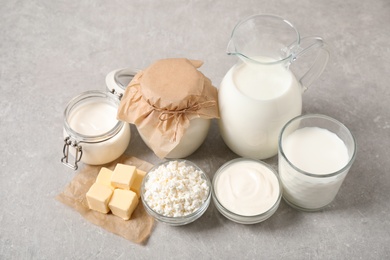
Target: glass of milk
<point>315,154</point>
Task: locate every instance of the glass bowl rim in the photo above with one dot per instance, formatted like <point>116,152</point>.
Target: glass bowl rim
<point>251,219</point>
<point>180,220</point>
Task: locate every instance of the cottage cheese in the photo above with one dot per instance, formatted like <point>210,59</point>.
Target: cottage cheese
<point>175,189</point>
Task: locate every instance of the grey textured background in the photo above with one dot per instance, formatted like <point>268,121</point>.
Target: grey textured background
<point>50,51</point>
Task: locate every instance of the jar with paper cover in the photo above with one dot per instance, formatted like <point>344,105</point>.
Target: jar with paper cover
<point>171,103</point>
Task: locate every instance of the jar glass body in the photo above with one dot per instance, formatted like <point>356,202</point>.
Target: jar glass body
<point>192,139</point>
<point>91,132</point>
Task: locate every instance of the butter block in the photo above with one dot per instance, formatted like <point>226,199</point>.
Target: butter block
<point>136,186</point>
<point>123,203</point>
<point>123,176</point>
<point>98,197</point>
<point>104,177</point>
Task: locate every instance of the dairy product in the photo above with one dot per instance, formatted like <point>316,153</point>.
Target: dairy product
<point>93,118</point>
<point>316,150</point>
<point>255,102</point>
<point>106,151</point>
<point>123,176</point>
<point>246,187</point>
<point>104,177</point>
<point>318,153</point>
<point>136,186</point>
<point>192,139</point>
<point>90,122</point>
<point>123,203</point>
<point>98,197</point>
<point>175,189</point>
<point>104,195</point>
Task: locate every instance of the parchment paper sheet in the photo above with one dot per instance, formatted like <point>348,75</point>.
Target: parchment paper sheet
<point>140,225</point>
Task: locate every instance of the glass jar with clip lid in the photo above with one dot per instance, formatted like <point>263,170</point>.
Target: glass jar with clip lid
<point>91,132</point>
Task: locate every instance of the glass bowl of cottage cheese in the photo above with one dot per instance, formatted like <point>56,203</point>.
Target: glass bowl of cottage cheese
<point>176,192</point>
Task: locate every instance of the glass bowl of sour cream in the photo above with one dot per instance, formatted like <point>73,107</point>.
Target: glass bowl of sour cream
<point>246,191</point>
<point>176,192</point>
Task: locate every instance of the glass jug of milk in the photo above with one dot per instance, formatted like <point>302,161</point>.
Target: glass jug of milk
<point>260,94</point>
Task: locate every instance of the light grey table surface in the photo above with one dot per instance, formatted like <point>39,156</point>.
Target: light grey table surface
<point>50,51</point>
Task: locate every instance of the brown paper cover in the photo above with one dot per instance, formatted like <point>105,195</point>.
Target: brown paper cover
<point>163,99</point>
<point>140,225</point>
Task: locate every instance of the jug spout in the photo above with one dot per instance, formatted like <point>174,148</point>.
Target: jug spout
<point>231,49</point>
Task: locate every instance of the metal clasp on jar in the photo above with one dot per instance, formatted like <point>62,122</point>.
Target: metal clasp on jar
<point>117,94</point>
<point>77,156</point>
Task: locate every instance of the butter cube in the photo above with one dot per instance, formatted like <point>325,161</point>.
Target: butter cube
<point>123,203</point>
<point>123,176</point>
<point>98,197</point>
<point>136,186</point>
<point>104,177</point>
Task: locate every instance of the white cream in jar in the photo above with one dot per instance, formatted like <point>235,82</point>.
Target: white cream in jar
<point>192,139</point>
<point>246,191</point>
<point>93,118</point>
<point>92,133</point>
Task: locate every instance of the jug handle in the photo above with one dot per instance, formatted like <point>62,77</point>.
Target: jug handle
<point>317,68</point>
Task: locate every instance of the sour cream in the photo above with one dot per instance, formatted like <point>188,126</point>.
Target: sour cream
<point>247,187</point>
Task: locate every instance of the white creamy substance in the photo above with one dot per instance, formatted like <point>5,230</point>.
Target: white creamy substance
<point>93,118</point>
<point>192,139</point>
<point>317,151</point>
<point>255,102</point>
<point>175,189</point>
<point>247,188</point>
